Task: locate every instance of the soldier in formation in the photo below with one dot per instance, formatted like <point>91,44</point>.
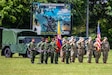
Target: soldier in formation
<point>32,49</point>
<point>97,50</point>
<point>73,49</point>
<point>70,49</point>
<point>46,50</point>
<point>52,49</point>
<point>56,53</point>
<point>89,48</point>
<point>80,46</point>
<point>40,47</point>
<point>105,49</point>
<point>66,47</point>
<point>62,53</point>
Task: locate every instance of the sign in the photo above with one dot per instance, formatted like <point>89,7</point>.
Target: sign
<point>47,15</point>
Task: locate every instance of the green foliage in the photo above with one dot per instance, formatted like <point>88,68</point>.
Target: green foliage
<point>13,11</point>
<point>16,14</point>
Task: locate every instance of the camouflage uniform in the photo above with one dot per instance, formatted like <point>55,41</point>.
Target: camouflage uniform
<point>56,55</point>
<point>80,45</point>
<point>89,44</point>
<point>62,53</point>
<point>40,47</point>
<point>66,46</point>
<point>52,50</point>
<point>32,47</point>
<point>73,50</point>
<point>97,52</point>
<point>105,49</point>
<point>46,50</point>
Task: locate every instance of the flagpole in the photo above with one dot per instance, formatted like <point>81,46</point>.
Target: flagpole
<point>87,20</point>
<point>98,23</point>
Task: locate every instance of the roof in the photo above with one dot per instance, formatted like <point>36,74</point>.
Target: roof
<point>18,30</point>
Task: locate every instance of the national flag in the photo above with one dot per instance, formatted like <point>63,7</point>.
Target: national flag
<point>59,42</point>
<point>98,38</point>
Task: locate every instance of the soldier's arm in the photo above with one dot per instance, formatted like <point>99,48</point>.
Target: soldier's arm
<point>29,47</point>
<point>55,46</point>
<point>63,46</point>
<point>38,45</point>
<point>49,46</point>
<point>43,45</point>
<point>95,44</point>
<point>78,44</point>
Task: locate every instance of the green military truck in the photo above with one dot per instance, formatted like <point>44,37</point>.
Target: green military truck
<point>16,41</point>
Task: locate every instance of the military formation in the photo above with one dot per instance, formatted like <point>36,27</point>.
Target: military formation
<point>70,50</point>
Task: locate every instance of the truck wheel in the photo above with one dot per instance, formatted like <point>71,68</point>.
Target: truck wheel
<point>8,53</point>
<point>28,54</point>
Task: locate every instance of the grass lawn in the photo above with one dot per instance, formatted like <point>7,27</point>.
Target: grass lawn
<point>22,66</point>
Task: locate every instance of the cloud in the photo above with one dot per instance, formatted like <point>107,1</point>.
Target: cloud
<point>63,11</point>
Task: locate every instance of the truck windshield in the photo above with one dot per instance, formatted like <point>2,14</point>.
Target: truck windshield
<point>27,40</point>
<point>27,33</point>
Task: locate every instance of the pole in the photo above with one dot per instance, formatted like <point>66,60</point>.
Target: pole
<point>87,20</point>
<point>31,14</point>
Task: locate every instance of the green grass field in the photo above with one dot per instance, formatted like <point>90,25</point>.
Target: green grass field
<point>22,66</point>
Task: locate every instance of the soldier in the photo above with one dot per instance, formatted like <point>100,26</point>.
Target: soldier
<point>105,49</point>
<point>66,46</point>
<point>80,45</point>
<point>32,48</point>
<point>62,53</point>
<point>40,47</point>
<point>56,52</point>
<point>97,51</point>
<point>46,50</point>
<point>73,49</point>
<point>89,48</point>
<point>52,49</point>
<point>56,55</point>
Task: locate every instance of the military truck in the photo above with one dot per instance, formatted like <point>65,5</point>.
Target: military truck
<point>16,41</point>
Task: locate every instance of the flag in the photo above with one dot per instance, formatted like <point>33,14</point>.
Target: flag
<point>59,42</point>
<point>98,37</point>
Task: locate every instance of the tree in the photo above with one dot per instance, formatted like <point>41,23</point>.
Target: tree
<point>14,13</point>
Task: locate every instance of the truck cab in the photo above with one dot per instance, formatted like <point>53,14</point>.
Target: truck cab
<point>16,41</point>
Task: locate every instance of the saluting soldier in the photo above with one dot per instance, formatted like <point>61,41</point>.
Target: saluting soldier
<point>32,48</point>
<point>97,50</point>
<point>81,47</point>
<point>62,53</point>
<point>52,49</point>
<point>89,48</point>
<point>66,46</point>
<point>40,47</point>
<point>105,49</point>
<point>46,50</point>
<point>73,49</point>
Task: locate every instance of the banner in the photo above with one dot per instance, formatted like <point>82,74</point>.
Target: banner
<point>47,15</point>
